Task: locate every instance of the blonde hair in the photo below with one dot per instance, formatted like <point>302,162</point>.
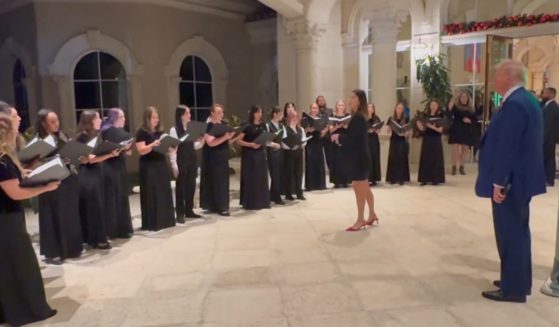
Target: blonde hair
<point>7,145</point>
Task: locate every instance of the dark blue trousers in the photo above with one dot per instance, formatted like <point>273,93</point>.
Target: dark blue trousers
<point>512,232</point>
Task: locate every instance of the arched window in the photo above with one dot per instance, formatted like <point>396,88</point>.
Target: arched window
<point>195,88</point>
<point>100,84</point>
<point>20,95</point>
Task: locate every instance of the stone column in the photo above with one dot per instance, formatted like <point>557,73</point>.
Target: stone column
<point>66,112</point>
<point>306,35</point>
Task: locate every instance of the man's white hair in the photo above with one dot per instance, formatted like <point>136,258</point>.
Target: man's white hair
<point>514,69</point>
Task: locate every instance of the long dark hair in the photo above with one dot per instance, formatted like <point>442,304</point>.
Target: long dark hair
<point>395,115</point>
<point>41,120</point>
<point>287,104</point>
<point>86,123</point>
<point>179,112</point>
<point>362,109</point>
<point>146,125</point>
<point>252,113</point>
<point>428,109</point>
<point>274,111</point>
<point>111,118</point>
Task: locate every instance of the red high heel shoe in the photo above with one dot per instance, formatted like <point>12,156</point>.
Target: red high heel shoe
<point>372,221</point>
<point>356,229</point>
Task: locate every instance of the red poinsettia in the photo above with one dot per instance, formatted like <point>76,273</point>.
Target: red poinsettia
<point>502,22</point>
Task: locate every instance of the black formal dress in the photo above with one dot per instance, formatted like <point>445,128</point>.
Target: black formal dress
<point>398,169</point>
<point>374,149</point>
<point>460,132</point>
<point>339,172</point>
<point>326,142</point>
<point>293,165</point>
<point>275,166</point>
<point>356,148</point>
<point>185,188</point>
<point>431,162</point>
<point>156,195</point>
<point>315,172</point>
<point>22,294</point>
<point>117,204</point>
<point>60,228</point>
<point>551,135</point>
<point>92,206</point>
<point>255,193</point>
<point>214,184</point>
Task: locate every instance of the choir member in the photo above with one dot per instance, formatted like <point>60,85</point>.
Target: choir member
<point>461,133</point>
<point>255,193</point>
<point>550,132</point>
<point>398,170</point>
<point>59,224</point>
<point>214,184</point>
<point>156,195</point>
<point>431,162</point>
<point>117,204</point>
<point>12,112</point>
<point>293,156</point>
<point>339,175</point>
<point>354,143</point>
<point>185,165</point>
<point>315,173</point>
<point>22,294</point>
<point>90,176</point>
<point>275,156</point>
<point>374,145</point>
<point>325,112</point>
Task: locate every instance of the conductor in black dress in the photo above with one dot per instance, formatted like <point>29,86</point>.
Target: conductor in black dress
<point>431,162</point>
<point>275,156</point>
<point>355,144</point>
<point>59,216</point>
<point>255,193</point>
<point>550,132</point>
<point>22,294</point>
<point>156,195</point>
<point>374,146</point>
<point>214,184</point>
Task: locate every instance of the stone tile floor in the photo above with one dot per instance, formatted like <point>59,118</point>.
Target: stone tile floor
<point>425,265</point>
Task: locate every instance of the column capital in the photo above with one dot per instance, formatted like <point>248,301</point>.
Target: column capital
<point>385,24</point>
<point>305,33</point>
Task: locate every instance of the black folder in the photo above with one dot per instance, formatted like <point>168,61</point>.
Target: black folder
<point>167,141</point>
<point>74,150</point>
<point>336,121</point>
<point>195,130</point>
<point>378,125</point>
<point>264,138</point>
<point>106,147</point>
<point>399,129</point>
<point>37,150</point>
<point>318,123</point>
<point>218,130</point>
<point>437,121</point>
<point>293,140</point>
<point>52,171</point>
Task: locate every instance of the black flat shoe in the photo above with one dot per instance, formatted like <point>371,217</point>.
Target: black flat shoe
<point>497,283</point>
<point>105,246</point>
<point>192,215</point>
<point>181,220</point>
<point>280,202</point>
<point>301,197</point>
<point>500,297</point>
<point>224,214</point>
<point>290,198</point>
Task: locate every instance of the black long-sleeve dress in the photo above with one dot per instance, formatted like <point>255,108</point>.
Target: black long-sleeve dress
<point>356,148</point>
<point>293,166</point>
<point>92,208</point>
<point>431,162</point>
<point>214,183</point>
<point>275,166</point>
<point>339,174</point>
<point>156,195</point>
<point>255,193</point>
<point>374,148</point>
<point>60,228</point>
<point>398,169</point>
<point>22,294</point>
<point>460,132</point>
<point>187,164</point>
<point>117,204</point>
<point>315,172</point>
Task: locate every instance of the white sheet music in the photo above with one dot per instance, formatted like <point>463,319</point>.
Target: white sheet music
<point>50,140</point>
<point>44,167</point>
<point>93,142</point>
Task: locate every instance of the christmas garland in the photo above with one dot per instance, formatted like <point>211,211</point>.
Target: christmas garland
<point>503,22</point>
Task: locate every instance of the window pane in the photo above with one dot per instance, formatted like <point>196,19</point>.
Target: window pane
<point>114,94</point>
<point>204,96</point>
<point>201,114</point>
<point>202,71</point>
<point>88,67</point>
<point>111,68</point>
<point>87,95</point>
<point>187,94</point>
<point>187,69</point>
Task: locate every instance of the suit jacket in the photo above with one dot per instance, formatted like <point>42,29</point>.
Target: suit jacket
<point>551,122</point>
<point>511,150</point>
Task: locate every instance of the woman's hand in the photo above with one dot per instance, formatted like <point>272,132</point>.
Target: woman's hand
<point>155,144</point>
<point>26,172</point>
<point>335,138</point>
<point>84,160</point>
<point>52,186</point>
<point>467,120</point>
<point>255,146</point>
<point>275,146</point>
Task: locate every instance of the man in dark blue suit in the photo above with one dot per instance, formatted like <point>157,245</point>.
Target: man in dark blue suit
<point>511,172</point>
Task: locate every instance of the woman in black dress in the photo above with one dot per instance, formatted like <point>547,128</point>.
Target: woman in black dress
<point>275,156</point>
<point>293,155</point>
<point>461,133</point>
<point>255,193</point>
<point>431,162</point>
<point>214,184</point>
<point>59,224</point>
<point>22,294</point>
<point>185,166</point>
<point>374,146</point>
<point>398,170</point>
<point>315,172</point>
<point>339,175</point>
<point>117,204</point>
<point>92,208</point>
<point>355,145</point>
<point>156,195</point>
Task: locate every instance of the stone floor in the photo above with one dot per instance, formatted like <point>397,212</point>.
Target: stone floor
<point>426,265</point>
